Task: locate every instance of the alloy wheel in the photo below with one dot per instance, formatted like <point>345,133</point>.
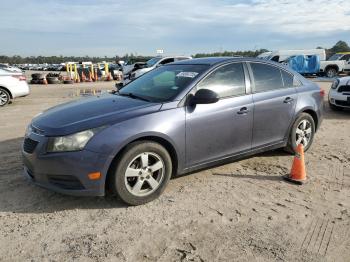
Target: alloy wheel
<point>144,174</point>
<point>4,98</point>
<point>303,133</point>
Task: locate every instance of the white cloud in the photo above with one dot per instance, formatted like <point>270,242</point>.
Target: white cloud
<point>150,22</point>
<point>283,16</point>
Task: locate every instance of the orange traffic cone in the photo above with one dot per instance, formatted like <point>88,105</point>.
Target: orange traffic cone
<point>298,174</point>
<point>90,77</point>
<point>96,76</point>
<point>77,80</point>
<point>83,78</point>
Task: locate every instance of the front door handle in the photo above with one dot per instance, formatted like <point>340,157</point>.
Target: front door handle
<point>243,110</point>
<point>288,100</point>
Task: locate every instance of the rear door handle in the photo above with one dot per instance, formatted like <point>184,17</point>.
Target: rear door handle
<point>243,110</point>
<point>288,100</point>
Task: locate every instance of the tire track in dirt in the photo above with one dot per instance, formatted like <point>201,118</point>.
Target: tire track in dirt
<point>318,237</point>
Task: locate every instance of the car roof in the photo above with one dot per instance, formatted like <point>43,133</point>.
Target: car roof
<point>218,60</point>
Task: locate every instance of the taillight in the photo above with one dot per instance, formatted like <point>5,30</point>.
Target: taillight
<point>20,77</point>
<point>322,93</point>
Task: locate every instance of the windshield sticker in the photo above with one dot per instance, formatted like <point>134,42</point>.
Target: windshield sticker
<point>187,74</point>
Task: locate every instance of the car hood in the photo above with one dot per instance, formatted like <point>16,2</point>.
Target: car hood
<point>89,113</point>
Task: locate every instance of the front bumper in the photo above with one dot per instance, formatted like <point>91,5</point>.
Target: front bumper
<point>64,172</point>
<point>339,99</point>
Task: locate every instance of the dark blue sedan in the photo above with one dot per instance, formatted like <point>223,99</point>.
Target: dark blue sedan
<point>175,119</point>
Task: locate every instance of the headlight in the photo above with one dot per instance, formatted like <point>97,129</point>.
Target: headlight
<point>74,142</point>
<point>335,84</point>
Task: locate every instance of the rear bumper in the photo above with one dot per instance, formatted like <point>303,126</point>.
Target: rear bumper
<point>65,172</point>
<point>20,89</point>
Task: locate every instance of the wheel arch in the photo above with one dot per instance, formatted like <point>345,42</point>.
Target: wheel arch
<point>5,88</point>
<point>311,112</point>
<point>336,67</point>
<point>153,138</point>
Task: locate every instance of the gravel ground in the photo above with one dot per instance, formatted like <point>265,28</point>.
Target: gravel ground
<point>242,211</point>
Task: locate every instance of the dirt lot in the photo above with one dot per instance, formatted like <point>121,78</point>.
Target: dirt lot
<point>241,211</point>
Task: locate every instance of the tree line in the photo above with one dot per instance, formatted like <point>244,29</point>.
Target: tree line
<point>340,46</point>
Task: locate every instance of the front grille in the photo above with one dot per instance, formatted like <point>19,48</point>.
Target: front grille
<point>29,145</point>
<point>66,182</point>
<point>342,103</point>
<point>342,89</point>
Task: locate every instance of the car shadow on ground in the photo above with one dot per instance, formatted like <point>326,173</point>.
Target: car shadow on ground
<point>19,195</point>
<point>256,177</point>
<point>333,114</point>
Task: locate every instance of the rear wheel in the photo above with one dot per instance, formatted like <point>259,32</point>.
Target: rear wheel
<point>302,132</point>
<point>4,97</point>
<point>142,173</point>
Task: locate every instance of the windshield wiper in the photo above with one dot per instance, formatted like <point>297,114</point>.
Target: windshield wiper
<point>134,96</point>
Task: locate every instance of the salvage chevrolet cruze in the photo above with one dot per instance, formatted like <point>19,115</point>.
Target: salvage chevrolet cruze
<point>178,118</point>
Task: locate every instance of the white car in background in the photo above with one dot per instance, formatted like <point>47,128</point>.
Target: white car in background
<point>10,68</point>
<point>339,95</point>
<point>12,85</point>
<point>150,65</point>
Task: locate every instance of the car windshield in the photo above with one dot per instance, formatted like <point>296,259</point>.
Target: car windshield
<point>335,57</point>
<point>164,83</point>
<point>153,61</point>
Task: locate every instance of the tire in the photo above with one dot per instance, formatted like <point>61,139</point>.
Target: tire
<point>335,108</point>
<point>38,76</point>
<point>35,81</point>
<point>52,80</point>
<point>298,127</point>
<point>136,188</point>
<point>68,82</point>
<point>4,97</point>
<point>331,72</point>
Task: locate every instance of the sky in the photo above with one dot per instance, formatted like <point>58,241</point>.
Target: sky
<point>179,27</point>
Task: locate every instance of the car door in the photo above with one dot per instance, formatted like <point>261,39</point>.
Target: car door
<point>347,62</point>
<point>275,97</point>
<point>216,130</point>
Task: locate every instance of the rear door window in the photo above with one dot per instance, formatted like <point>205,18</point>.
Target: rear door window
<point>226,81</point>
<point>266,77</point>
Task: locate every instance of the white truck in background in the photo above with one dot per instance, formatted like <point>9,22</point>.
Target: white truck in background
<point>281,56</point>
<point>336,64</point>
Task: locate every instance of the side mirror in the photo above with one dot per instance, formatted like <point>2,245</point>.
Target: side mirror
<point>204,96</point>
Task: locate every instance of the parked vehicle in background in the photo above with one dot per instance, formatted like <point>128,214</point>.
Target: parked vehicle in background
<point>175,119</point>
<point>12,85</point>
<point>336,64</point>
<point>339,94</point>
<point>10,68</point>
<point>282,55</point>
<point>139,70</point>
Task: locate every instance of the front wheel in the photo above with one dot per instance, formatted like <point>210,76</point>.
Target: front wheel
<point>302,132</point>
<point>142,173</point>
